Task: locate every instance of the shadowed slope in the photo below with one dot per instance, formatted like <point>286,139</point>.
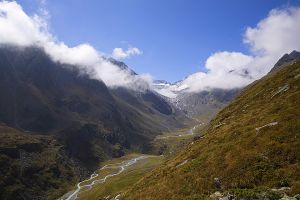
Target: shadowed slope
<point>89,121</point>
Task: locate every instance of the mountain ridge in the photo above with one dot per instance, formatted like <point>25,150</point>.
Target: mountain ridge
<point>285,60</point>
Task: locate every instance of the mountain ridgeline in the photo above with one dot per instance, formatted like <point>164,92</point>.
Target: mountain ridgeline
<point>57,124</point>
<point>249,151</point>
<point>285,60</point>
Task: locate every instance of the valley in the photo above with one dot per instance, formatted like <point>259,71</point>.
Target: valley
<point>169,143</point>
<point>114,177</point>
<point>185,151</point>
<point>149,100</point>
<point>137,138</point>
<point>117,175</point>
<point>79,121</point>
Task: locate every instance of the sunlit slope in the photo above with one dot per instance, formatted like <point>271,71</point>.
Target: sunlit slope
<point>251,145</point>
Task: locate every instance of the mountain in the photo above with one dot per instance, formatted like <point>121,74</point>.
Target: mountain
<point>163,82</point>
<point>57,124</point>
<point>204,104</point>
<point>286,59</point>
<point>167,89</point>
<point>197,104</point>
<point>249,151</point>
<point>160,84</point>
<point>121,65</point>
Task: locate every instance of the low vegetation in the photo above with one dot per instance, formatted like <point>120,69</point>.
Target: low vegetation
<point>250,148</point>
<point>118,184</point>
<point>33,165</point>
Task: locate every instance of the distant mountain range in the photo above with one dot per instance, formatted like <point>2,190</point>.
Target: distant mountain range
<point>205,103</point>
<point>202,104</point>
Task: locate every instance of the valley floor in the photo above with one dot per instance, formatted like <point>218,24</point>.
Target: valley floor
<point>118,174</point>
<point>115,176</point>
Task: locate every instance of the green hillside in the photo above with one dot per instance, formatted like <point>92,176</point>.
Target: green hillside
<point>250,147</point>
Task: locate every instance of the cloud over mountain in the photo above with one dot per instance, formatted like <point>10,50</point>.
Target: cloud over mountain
<point>18,28</point>
<point>277,34</point>
<point>273,36</point>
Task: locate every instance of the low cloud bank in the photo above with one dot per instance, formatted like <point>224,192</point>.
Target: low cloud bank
<point>277,34</point>
<point>272,37</point>
<point>17,28</point>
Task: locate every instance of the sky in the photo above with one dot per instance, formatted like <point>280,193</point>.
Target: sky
<point>207,45</point>
<point>168,39</point>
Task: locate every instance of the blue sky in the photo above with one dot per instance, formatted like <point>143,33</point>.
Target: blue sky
<point>175,36</point>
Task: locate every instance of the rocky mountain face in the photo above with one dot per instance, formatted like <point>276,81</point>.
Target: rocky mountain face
<point>65,123</point>
<point>285,60</point>
<point>249,151</point>
<point>167,89</point>
<point>160,84</point>
<point>202,104</point>
<point>121,65</point>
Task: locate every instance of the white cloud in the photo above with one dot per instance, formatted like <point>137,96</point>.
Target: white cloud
<point>17,28</point>
<point>277,34</point>
<point>227,61</point>
<point>43,9</point>
<point>272,37</point>
<point>225,70</point>
<point>119,53</point>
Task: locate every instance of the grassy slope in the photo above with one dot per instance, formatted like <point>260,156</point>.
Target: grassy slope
<point>232,150</point>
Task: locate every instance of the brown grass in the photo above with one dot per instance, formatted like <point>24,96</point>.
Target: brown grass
<point>245,160</point>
